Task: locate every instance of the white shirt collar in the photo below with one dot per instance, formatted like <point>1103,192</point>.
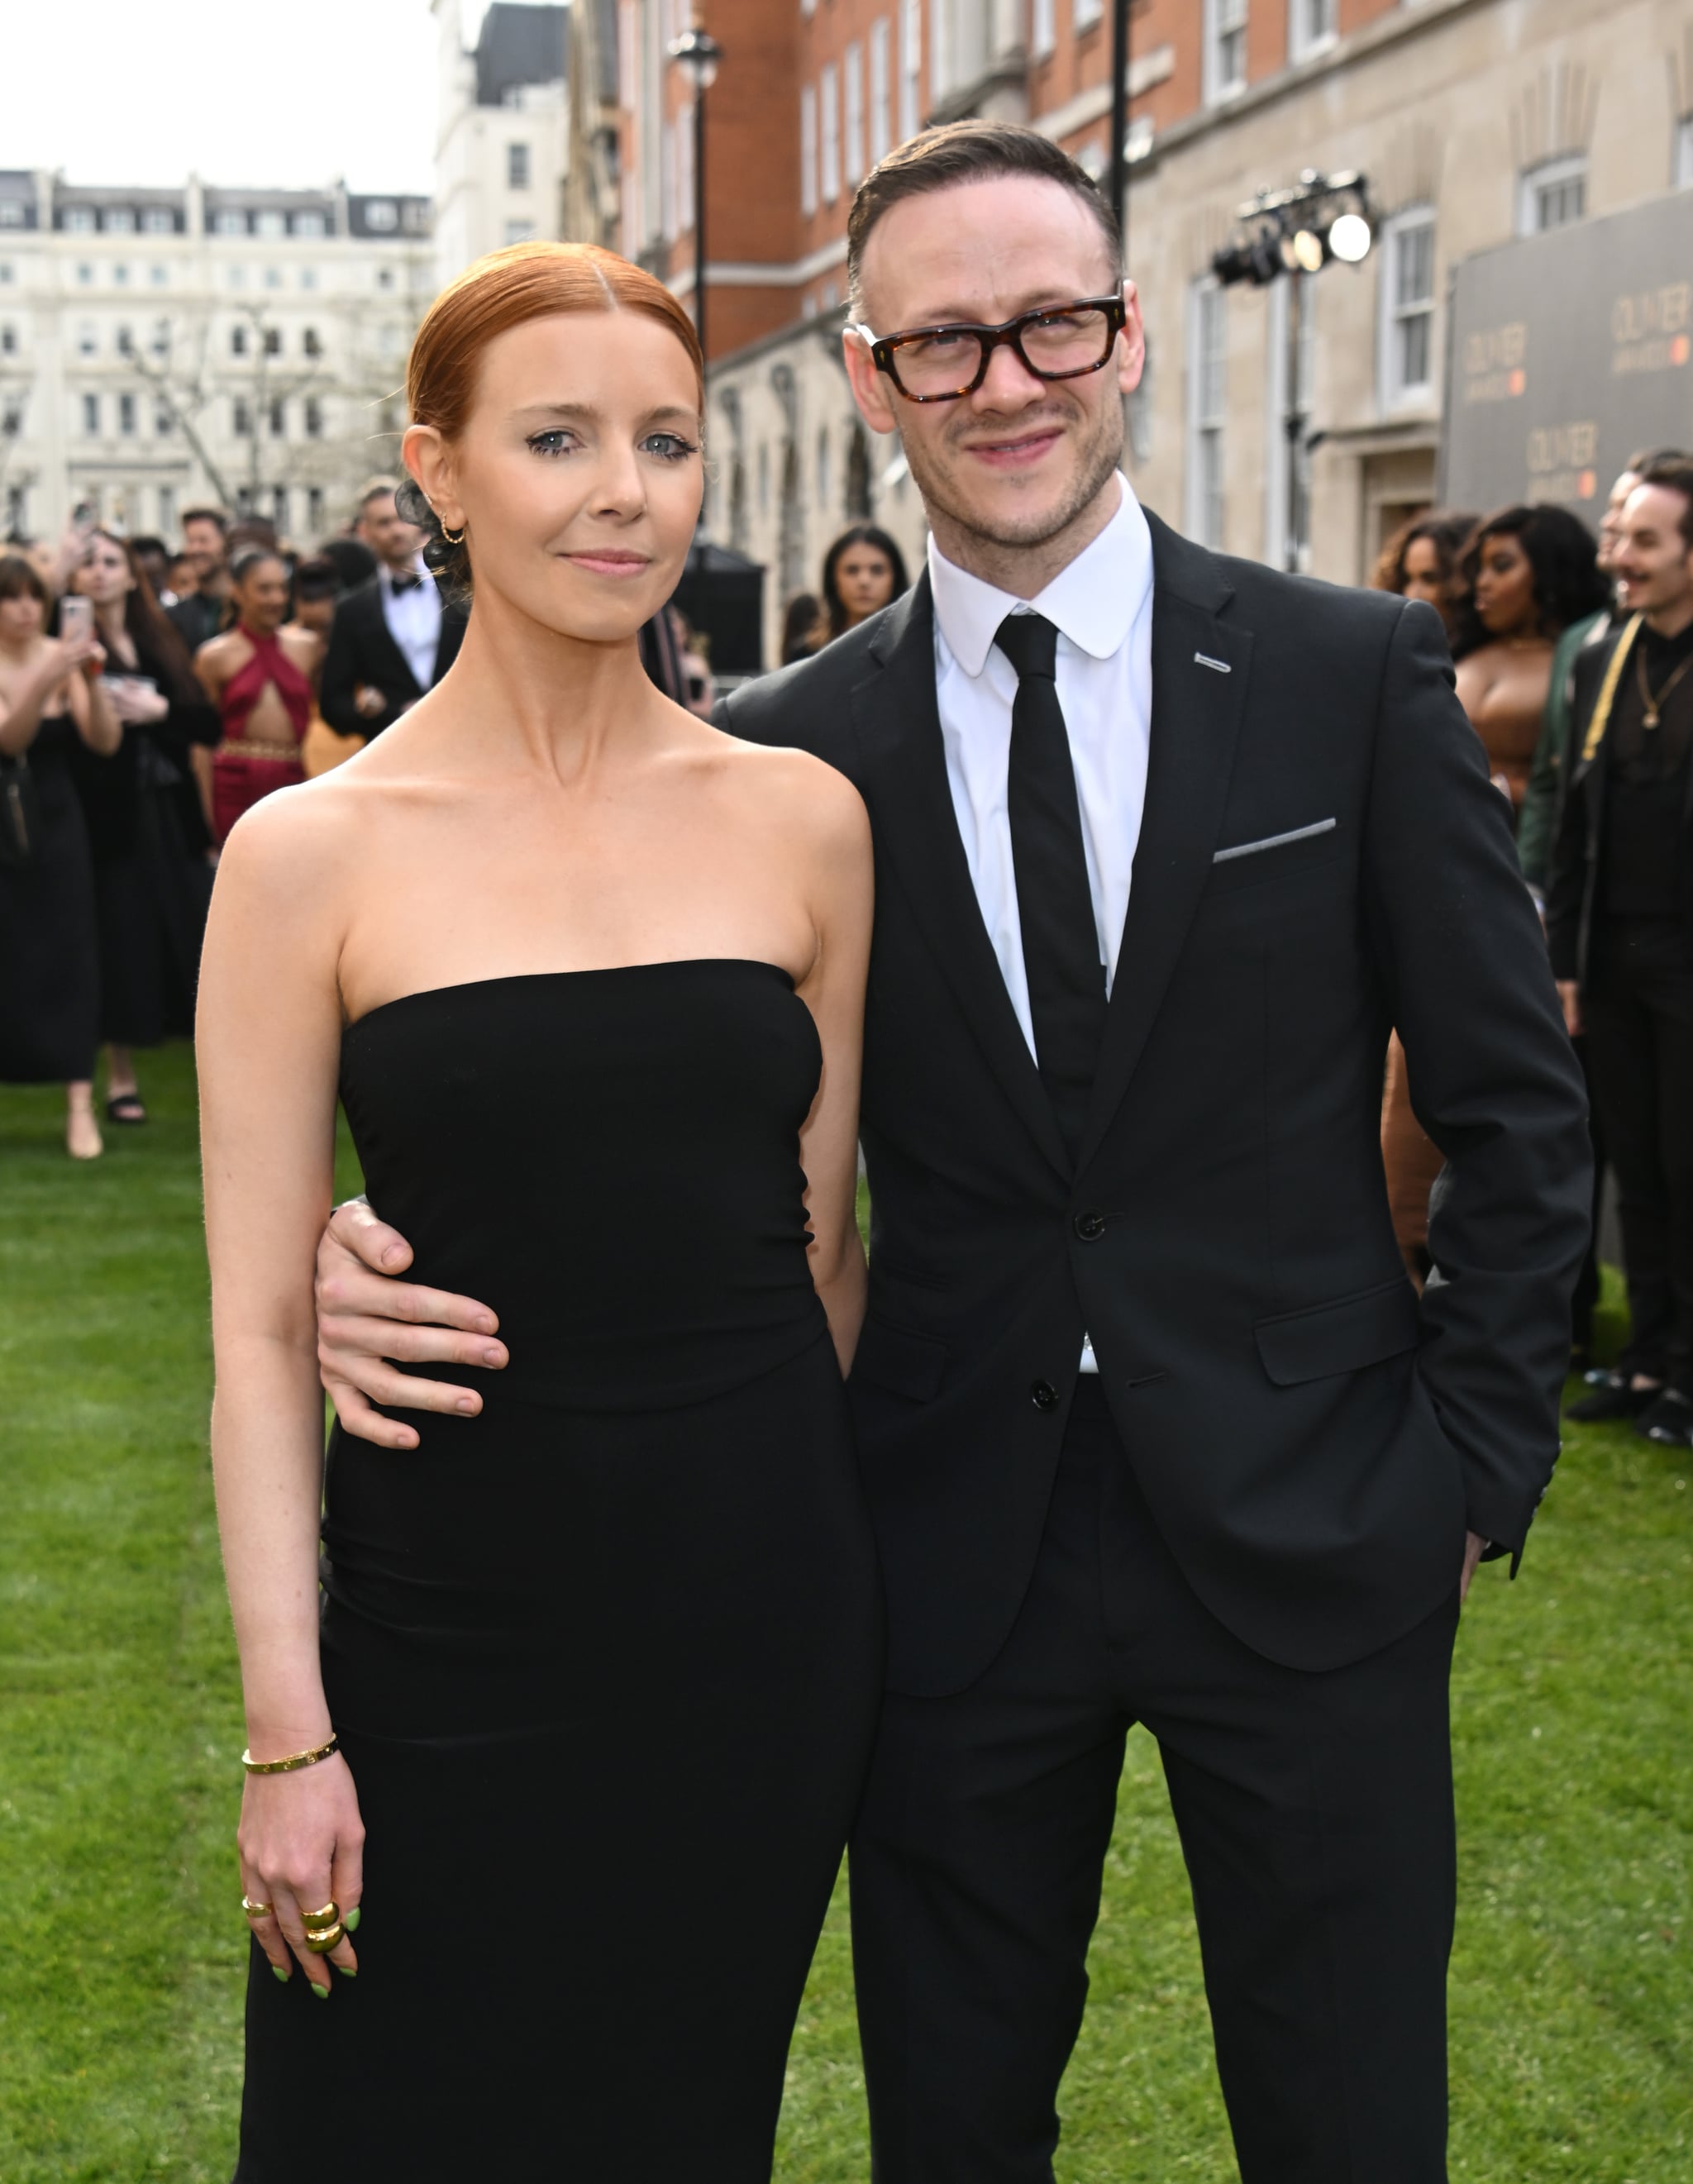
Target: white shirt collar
<point>1093,601</point>
<point>415,567</point>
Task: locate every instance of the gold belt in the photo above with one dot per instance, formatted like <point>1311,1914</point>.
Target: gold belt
<point>246,747</point>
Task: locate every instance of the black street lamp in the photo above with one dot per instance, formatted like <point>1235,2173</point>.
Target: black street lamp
<point>1321,220</point>
<point>699,53</point>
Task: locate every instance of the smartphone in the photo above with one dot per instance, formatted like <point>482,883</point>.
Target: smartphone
<point>83,516</point>
<point>75,618</point>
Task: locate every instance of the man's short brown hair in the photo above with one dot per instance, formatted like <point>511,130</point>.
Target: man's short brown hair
<point>376,488</point>
<point>965,152</point>
<point>1675,472</point>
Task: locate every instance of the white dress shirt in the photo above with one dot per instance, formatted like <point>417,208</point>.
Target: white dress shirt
<point>413,621</point>
<point>1101,605</point>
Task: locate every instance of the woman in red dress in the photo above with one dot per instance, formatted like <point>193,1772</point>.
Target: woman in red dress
<point>263,679</point>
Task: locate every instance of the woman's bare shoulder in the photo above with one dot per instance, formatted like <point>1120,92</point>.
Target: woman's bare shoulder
<point>806,791</point>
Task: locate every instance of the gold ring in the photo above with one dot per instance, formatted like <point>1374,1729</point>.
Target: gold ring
<point>317,1922</point>
<point>256,1910</point>
<point>321,1944</point>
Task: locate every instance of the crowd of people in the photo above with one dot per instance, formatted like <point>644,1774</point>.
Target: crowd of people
<point>1572,657</point>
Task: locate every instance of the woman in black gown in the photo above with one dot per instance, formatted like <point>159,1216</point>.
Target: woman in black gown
<point>602,1658</point>
<point>50,713</point>
<point>147,826</point>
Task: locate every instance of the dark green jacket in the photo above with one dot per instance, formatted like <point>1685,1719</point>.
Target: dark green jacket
<point>1537,824</point>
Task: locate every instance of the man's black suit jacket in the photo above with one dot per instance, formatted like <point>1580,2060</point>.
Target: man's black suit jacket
<point>1311,1440</point>
<point>362,649</point>
<point>1576,880</point>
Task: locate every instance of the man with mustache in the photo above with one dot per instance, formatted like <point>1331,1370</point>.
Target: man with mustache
<point>1152,1426</point>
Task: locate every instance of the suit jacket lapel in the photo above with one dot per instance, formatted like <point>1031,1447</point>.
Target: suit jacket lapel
<point>1196,713</point>
<point>904,784</point>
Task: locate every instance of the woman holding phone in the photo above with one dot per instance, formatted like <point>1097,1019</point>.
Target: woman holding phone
<point>51,701</point>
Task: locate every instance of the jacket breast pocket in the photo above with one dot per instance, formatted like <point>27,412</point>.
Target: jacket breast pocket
<point>1342,1337</point>
<point>1255,859</point>
<point>903,1362</point>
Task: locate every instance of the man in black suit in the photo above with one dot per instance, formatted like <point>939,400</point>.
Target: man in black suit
<point>1152,1426</point>
<point>394,637</point>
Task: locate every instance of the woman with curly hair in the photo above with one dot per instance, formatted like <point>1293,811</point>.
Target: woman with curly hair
<point>1420,561</point>
<point>1529,573</point>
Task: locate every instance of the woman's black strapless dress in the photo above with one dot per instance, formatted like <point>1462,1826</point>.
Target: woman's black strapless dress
<point>605,1660</point>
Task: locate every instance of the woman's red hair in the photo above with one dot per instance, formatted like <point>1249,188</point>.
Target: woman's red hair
<point>508,288</point>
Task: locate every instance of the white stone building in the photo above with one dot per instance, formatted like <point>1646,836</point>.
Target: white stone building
<point>502,147</point>
<point>161,347</point>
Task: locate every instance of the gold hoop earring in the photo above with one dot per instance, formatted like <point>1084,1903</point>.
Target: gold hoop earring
<point>452,537</point>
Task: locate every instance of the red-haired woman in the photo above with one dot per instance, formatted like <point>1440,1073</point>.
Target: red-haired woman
<point>596,1673</point>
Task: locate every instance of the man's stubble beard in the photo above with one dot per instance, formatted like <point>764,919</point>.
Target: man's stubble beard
<point>1100,455</point>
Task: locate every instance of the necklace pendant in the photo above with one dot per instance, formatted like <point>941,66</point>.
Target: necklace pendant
<point>1651,719</point>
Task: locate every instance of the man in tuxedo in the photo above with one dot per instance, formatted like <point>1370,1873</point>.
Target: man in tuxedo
<point>1152,1426</point>
<point>394,637</point>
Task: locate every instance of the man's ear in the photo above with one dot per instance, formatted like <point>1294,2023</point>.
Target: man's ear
<point>1131,343</point>
<point>872,390</point>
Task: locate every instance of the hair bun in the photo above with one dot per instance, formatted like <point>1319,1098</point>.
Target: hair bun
<point>440,556</point>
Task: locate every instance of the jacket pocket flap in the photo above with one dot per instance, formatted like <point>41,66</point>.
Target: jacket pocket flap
<point>1342,1337</point>
<point>893,1357</point>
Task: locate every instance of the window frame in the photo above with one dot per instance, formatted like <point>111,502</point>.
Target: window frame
<point>1225,20</point>
<point>1205,432</point>
<point>1305,44</point>
<point>881,100</point>
<point>1543,176</point>
<point>829,133</point>
<point>808,150</point>
<point>1394,392</point>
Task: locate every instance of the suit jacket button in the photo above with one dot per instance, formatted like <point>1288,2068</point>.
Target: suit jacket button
<point>1089,1226</point>
<point>1044,1395</point>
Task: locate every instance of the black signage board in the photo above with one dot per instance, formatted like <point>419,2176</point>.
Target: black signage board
<point>1567,352</point>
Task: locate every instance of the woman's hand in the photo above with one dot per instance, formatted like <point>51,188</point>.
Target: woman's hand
<point>136,703</point>
<point>301,1846</point>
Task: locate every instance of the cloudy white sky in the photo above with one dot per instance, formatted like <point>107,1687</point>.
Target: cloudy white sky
<point>245,92</point>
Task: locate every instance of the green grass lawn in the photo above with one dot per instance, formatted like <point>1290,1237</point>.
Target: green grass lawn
<point>122,1953</point>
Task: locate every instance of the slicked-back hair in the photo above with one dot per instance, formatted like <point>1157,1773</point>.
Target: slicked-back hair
<point>1675,474</point>
<point>959,152</point>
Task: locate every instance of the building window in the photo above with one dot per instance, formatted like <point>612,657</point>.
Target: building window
<point>829,117</point>
<point>312,417</point>
<point>1043,28</point>
<point>1225,48</point>
<point>120,276</point>
<point>118,219</point>
<point>159,275</point>
<point>229,223</point>
<point>808,150</point>
<point>90,415</point>
<point>380,217</point>
<point>1407,291</point>
<point>87,343</point>
<point>273,341</point>
<point>240,418</point>
<point>517,166</point>
<point>311,342</point>
<point>238,341</point>
<point>385,274</point>
<point>1311,25</point>
<point>853,138</point>
<point>126,414</point>
<point>164,421</point>
<point>79,219</point>
<point>273,276</point>
<point>1552,195</point>
<point>160,343</point>
<point>1207,388</point>
<point>517,230</point>
<point>279,506</point>
<point>9,341</point>
<point>1088,13</point>
<point>125,340</point>
<point>1684,150</point>
<point>881,92</point>
<point>314,511</point>
<point>910,67</point>
<point>271,224</point>
<point>11,212</point>
<point>279,421</point>
<point>308,276</point>
<point>167,510</point>
<point>310,223</point>
<point>825,469</point>
<point>85,276</point>
<point>684,169</point>
<point>159,220</point>
<point>7,271</point>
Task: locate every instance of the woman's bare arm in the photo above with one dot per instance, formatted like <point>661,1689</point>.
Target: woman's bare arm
<point>32,696</point>
<point>268,1033</point>
<point>842,880</point>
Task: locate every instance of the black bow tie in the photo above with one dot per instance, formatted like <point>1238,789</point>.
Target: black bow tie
<point>412,583</point>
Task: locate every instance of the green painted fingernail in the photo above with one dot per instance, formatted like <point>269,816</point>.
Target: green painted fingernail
<point>278,1973</point>
<point>321,1993</point>
<point>351,1921</point>
<point>347,1971</point>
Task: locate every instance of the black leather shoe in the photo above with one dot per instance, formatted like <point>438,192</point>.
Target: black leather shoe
<point>1613,1398</point>
<point>1668,1421</point>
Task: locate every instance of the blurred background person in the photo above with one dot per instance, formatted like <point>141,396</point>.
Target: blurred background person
<point>179,582</point>
<point>51,700</point>
<point>316,592</point>
<point>263,680</point>
<point>1422,562</point>
<point>148,829</point>
<point>699,691</point>
<point>152,559</point>
<point>805,627</point>
<point>1619,924</point>
<point>198,614</point>
<point>863,571</point>
<point>395,637</point>
<point>1529,573</point>
<point>352,561</point>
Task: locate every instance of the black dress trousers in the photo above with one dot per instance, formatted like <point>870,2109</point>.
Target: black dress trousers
<point>1316,1816</point>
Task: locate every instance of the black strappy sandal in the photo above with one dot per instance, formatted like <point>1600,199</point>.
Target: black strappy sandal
<point>126,1107</point>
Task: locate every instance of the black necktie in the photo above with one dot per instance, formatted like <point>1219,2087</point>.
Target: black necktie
<point>1066,980</point>
<point>412,583</point>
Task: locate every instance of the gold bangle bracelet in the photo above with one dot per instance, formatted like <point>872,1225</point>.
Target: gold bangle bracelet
<point>295,1759</point>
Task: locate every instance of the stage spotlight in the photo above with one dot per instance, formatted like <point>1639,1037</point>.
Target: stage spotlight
<point>1305,251</point>
<point>1350,238</point>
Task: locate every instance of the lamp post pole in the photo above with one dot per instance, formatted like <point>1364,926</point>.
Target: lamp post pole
<point>699,53</point>
<point>1119,184</point>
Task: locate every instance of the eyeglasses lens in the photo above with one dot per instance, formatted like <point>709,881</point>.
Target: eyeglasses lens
<point>948,363</point>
